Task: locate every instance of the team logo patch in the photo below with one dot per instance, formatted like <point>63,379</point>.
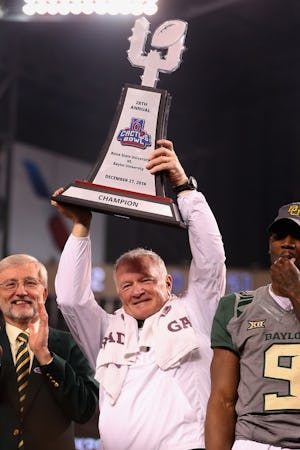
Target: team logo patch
<point>256,324</point>
<point>135,135</point>
<point>294,210</point>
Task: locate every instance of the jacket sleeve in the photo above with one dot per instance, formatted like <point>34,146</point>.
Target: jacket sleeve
<point>207,274</point>
<point>71,379</point>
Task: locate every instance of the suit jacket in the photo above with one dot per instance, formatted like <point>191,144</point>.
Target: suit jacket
<point>57,394</point>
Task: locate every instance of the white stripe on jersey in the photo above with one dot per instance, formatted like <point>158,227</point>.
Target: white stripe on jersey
<point>242,444</point>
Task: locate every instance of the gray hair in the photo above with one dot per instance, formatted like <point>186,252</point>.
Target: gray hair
<point>20,259</point>
<point>138,253</point>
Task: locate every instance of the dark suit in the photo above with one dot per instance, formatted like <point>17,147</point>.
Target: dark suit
<point>57,394</point>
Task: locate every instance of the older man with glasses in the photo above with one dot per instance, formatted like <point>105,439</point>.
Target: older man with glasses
<point>45,381</point>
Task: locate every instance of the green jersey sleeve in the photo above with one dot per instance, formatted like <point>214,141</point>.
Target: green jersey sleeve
<point>225,312</point>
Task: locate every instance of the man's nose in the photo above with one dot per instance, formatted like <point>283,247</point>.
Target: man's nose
<point>21,290</point>
<point>289,242</point>
<point>138,289</point>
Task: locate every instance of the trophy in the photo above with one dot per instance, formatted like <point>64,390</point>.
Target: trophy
<point>119,184</point>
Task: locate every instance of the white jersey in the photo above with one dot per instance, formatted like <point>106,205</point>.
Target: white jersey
<point>156,409</point>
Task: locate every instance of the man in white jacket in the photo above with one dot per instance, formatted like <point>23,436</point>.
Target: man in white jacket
<point>152,356</point>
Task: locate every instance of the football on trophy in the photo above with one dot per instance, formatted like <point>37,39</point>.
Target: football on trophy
<point>168,33</point>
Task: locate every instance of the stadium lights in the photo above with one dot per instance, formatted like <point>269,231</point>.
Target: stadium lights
<point>76,7</point>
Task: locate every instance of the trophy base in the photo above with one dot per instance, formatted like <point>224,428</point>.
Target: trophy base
<point>122,203</point>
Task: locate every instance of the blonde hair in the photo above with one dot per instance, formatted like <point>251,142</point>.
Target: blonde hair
<point>138,253</point>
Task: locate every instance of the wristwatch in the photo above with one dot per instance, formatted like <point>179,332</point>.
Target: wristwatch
<point>190,185</point>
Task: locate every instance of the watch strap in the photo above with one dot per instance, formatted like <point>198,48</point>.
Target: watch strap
<point>189,185</point>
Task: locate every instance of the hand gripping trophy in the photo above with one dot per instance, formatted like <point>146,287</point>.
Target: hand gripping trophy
<point>119,184</point>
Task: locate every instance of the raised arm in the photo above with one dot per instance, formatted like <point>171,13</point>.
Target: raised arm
<point>207,276</point>
<point>85,318</point>
<point>220,416</point>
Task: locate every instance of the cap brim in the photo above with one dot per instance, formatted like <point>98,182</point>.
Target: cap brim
<point>283,224</point>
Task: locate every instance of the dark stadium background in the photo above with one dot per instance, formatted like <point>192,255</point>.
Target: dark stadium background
<point>235,114</point>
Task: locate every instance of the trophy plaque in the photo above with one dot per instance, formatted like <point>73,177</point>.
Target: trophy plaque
<point>119,184</point>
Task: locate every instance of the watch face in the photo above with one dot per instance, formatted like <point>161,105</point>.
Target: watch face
<point>192,182</point>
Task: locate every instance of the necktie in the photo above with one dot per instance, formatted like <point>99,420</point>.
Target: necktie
<point>22,373</point>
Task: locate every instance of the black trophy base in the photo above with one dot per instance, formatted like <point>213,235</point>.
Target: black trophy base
<point>121,203</point>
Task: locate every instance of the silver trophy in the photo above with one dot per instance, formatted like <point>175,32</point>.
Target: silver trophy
<point>119,184</point>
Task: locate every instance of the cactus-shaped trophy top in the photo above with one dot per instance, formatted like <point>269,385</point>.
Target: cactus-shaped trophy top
<point>169,37</point>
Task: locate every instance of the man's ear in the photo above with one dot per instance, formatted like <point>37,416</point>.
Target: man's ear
<point>169,282</point>
<point>45,294</point>
<point>269,246</point>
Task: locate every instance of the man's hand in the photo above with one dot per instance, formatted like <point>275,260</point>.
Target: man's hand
<point>286,279</point>
<point>38,340</point>
<point>81,217</point>
<point>165,159</point>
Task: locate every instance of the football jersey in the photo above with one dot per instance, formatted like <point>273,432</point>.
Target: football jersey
<point>266,339</point>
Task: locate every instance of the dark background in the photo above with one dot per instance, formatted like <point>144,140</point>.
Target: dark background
<point>234,120</point>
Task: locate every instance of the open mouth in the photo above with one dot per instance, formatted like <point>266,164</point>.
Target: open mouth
<point>21,302</point>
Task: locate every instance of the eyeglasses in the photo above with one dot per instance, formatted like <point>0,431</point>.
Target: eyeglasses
<point>28,283</point>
